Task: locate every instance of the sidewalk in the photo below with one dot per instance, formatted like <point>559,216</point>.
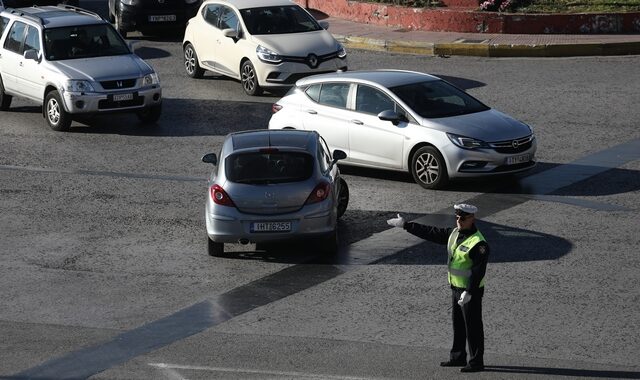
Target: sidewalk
<point>374,37</point>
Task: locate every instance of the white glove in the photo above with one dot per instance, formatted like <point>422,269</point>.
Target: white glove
<point>396,222</point>
<point>464,298</point>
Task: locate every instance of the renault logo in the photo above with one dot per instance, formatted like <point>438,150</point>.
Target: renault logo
<point>312,59</point>
<point>268,195</point>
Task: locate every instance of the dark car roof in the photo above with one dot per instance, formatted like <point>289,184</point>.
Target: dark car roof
<point>285,138</point>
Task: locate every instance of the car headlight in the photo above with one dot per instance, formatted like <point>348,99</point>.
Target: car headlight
<point>150,79</point>
<point>342,53</point>
<point>467,142</point>
<point>75,85</point>
<point>267,55</point>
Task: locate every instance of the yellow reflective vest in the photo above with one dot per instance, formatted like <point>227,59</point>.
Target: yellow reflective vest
<point>459,262</point>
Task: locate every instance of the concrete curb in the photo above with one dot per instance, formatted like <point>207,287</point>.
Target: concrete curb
<point>490,50</point>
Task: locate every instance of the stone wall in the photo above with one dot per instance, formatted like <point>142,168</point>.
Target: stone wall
<point>461,16</point>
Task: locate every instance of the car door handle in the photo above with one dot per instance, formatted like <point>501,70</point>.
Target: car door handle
<point>313,112</point>
<point>356,121</point>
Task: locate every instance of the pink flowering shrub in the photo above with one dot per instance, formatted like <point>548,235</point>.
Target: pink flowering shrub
<point>498,5</point>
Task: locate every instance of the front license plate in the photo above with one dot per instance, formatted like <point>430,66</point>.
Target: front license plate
<point>122,97</point>
<point>162,18</point>
<point>518,159</point>
<point>271,227</point>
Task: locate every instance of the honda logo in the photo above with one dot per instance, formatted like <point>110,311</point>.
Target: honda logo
<point>119,84</point>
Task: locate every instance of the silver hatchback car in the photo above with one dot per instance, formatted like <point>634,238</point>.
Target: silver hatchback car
<point>407,121</point>
<point>272,186</point>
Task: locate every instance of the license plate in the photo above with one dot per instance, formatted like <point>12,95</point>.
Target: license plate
<point>518,159</point>
<point>271,227</point>
<point>162,18</point>
<point>122,97</point>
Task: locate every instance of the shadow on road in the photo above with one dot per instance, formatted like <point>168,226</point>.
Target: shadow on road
<point>585,373</point>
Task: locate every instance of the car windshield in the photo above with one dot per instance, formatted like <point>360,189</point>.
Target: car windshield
<point>435,99</point>
<point>83,41</point>
<point>278,20</point>
<point>269,167</point>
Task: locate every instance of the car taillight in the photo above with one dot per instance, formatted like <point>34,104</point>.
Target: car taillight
<point>220,197</point>
<point>275,107</point>
<point>319,194</point>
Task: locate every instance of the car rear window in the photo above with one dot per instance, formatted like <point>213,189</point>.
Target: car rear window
<point>269,167</point>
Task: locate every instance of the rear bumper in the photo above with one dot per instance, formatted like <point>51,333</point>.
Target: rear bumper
<point>139,18</point>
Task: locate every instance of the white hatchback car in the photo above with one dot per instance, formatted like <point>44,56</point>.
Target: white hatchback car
<point>407,121</point>
<point>263,43</point>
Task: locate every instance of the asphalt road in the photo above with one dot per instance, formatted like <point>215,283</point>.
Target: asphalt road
<point>104,271</point>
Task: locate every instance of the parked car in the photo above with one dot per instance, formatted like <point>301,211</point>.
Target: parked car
<point>407,121</point>
<point>73,62</point>
<point>266,44</point>
<point>28,3</point>
<point>148,16</point>
<point>273,186</point>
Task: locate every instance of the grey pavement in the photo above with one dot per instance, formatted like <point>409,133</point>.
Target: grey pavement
<point>398,40</point>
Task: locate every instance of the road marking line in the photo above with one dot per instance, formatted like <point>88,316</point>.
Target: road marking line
<point>298,375</point>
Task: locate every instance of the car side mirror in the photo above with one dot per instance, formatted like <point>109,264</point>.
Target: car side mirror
<point>324,25</point>
<point>31,54</point>
<point>339,155</point>
<point>210,158</point>
<point>392,116</point>
<point>231,33</point>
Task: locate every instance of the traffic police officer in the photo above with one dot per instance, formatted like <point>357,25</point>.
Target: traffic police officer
<point>468,253</point>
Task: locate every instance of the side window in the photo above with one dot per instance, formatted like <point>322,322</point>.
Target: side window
<point>229,19</point>
<point>373,101</point>
<point>211,14</point>
<point>13,41</point>
<point>334,94</point>
<point>324,157</point>
<point>3,24</point>
<point>32,41</point>
<point>313,92</point>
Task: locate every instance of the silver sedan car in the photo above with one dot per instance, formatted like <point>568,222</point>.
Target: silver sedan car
<point>407,121</point>
<point>272,186</point>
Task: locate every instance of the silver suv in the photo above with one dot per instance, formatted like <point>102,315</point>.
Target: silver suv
<point>73,62</point>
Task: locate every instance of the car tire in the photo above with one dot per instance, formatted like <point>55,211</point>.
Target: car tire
<point>56,116</point>
<point>249,79</point>
<point>150,115</point>
<point>343,197</point>
<point>191,65</point>
<point>118,25</point>
<point>214,249</point>
<point>5,100</point>
<point>428,168</point>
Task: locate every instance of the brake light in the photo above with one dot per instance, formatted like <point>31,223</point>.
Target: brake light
<point>220,197</point>
<point>319,194</point>
<point>275,107</point>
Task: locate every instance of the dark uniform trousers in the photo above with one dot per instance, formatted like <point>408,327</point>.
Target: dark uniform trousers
<point>467,327</point>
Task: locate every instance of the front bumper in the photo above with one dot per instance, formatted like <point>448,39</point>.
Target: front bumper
<point>285,74</point>
<point>103,102</point>
<point>466,163</point>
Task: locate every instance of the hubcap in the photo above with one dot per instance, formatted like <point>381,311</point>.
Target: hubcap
<point>248,78</point>
<point>53,111</point>
<point>427,168</point>
<point>189,61</point>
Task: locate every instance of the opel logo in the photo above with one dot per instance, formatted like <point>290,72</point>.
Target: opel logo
<point>119,84</point>
<point>515,144</point>
<point>312,59</point>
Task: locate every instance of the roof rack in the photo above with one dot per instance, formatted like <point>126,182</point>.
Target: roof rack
<point>30,16</point>
<point>80,10</point>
